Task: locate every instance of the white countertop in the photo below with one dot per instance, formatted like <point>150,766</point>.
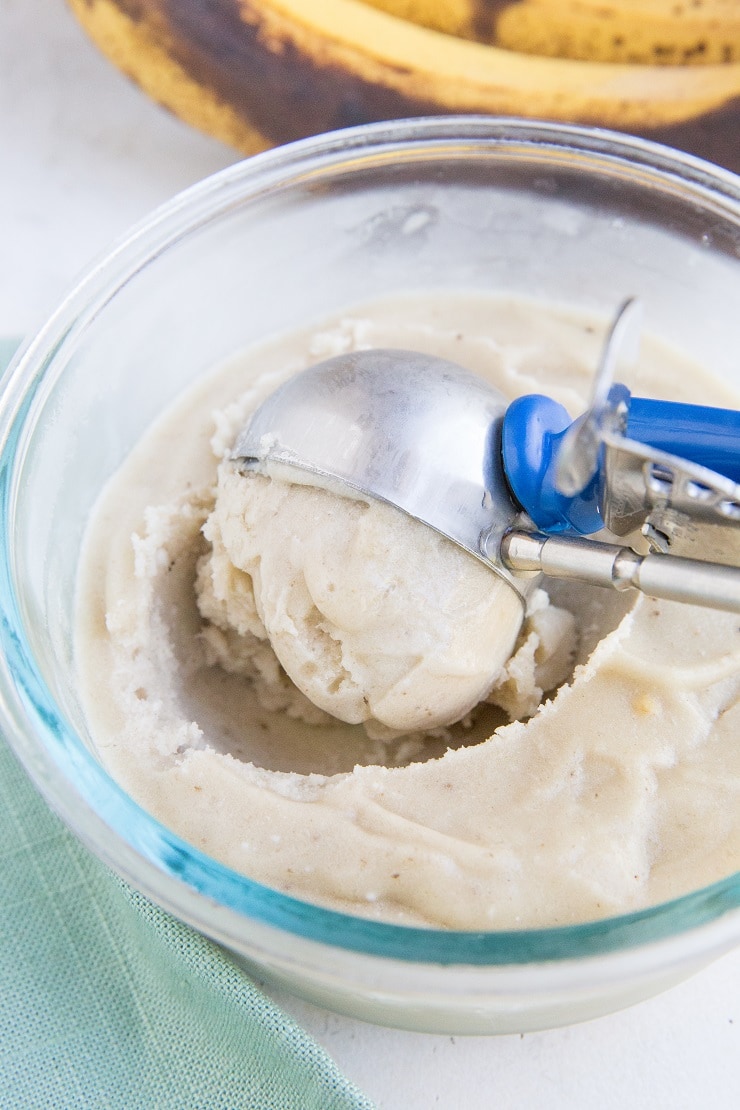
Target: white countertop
<point>85,154</point>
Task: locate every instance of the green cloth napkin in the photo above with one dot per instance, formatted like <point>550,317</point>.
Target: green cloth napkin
<point>108,1002</point>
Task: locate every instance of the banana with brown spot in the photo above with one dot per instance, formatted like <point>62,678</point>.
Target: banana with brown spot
<point>647,32</point>
<point>255,73</point>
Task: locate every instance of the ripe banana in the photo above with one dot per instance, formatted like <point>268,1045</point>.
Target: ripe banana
<point>255,73</point>
<point>649,32</point>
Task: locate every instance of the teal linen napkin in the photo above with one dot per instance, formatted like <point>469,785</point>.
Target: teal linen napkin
<point>108,1002</point>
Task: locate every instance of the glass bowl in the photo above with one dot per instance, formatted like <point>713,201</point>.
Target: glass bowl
<point>271,244</point>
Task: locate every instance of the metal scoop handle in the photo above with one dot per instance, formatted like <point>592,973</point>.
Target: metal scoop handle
<point>712,585</point>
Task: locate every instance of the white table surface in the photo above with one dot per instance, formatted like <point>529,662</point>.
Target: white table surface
<point>84,155</point>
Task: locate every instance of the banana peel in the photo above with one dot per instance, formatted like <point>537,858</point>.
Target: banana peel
<point>256,73</point>
<point>648,32</point>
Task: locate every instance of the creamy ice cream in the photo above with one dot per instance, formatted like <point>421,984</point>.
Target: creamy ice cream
<point>376,618</point>
<point>336,701</point>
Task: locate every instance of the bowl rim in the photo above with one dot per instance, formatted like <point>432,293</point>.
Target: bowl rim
<point>76,786</point>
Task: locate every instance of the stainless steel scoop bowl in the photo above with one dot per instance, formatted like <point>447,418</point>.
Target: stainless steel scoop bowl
<point>424,435</point>
<point>398,426</point>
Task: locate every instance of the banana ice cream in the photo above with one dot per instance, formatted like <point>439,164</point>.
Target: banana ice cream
<point>376,618</point>
<point>338,702</point>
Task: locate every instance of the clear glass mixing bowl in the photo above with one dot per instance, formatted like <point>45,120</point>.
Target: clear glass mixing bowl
<point>581,216</point>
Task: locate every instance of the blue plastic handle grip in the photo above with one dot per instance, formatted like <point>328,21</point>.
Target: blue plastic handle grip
<point>707,436</point>
<point>534,427</point>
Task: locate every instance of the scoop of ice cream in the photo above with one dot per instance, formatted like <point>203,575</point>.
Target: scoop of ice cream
<point>375,617</point>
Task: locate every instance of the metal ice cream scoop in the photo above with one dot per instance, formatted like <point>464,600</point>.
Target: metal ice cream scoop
<point>521,486</point>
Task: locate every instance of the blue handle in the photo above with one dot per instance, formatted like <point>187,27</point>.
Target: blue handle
<point>534,427</point>
<point>706,436</point>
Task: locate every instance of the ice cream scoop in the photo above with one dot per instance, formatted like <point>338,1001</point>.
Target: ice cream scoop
<point>518,486</point>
